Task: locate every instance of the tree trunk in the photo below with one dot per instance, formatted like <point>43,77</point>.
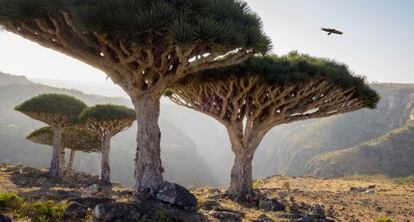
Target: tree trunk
<point>241,174</point>
<point>62,159</point>
<point>55,169</point>
<point>105,167</point>
<point>148,167</point>
<point>70,163</point>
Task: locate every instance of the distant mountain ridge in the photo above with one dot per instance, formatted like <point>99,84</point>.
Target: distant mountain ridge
<point>7,79</point>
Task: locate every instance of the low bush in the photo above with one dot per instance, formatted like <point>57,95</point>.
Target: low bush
<point>9,201</point>
<point>49,211</point>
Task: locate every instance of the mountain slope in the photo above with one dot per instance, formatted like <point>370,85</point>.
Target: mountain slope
<point>391,154</point>
<point>182,162</point>
<point>288,148</point>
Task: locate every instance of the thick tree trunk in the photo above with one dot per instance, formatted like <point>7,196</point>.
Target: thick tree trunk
<point>70,163</point>
<point>148,167</point>
<point>55,168</point>
<point>62,159</point>
<point>105,167</point>
<point>241,174</point>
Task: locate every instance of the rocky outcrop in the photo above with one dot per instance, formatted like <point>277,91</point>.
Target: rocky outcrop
<point>177,195</point>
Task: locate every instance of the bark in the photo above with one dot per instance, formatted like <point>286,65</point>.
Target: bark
<point>62,159</point>
<point>70,163</point>
<point>105,167</point>
<point>148,166</point>
<point>241,178</point>
<point>241,174</point>
<point>55,169</point>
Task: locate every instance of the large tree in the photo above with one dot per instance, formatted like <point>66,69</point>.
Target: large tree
<point>106,121</point>
<point>252,98</point>
<point>58,111</point>
<point>74,138</point>
<point>143,46</point>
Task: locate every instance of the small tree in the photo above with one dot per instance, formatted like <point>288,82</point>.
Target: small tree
<point>59,112</point>
<point>74,138</point>
<point>252,98</point>
<point>143,46</point>
<point>106,121</point>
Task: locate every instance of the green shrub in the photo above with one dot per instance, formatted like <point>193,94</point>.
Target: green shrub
<point>49,211</point>
<point>9,201</point>
<point>385,220</point>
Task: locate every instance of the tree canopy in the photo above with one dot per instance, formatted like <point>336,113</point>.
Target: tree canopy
<point>223,23</point>
<point>291,69</point>
<point>74,138</point>
<point>107,113</point>
<point>54,109</point>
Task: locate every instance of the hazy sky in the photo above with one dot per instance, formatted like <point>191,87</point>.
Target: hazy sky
<point>378,39</point>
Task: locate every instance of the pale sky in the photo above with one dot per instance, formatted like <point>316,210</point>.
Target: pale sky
<point>378,40</point>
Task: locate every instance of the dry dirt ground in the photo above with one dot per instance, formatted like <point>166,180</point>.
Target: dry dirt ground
<point>333,195</point>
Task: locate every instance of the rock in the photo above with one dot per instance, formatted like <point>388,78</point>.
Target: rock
<point>91,191</point>
<point>318,212</point>
<point>270,205</point>
<point>263,218</point>
<point>227,216</point>
<point>177,195</point>
<point>4,218</point>
<point>113,212</point>
<point>75,212</point>
<point>210,205</point>
<point>91,202</point>
<point>358,189</point>
<point>370,191</point>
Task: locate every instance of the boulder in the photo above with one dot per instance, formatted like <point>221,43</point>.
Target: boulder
<point>4,218</point>
<point>113,212</point>
<point>227,216</point>
<point>75,212</point>
<point>268,204</point>
<point>177,195</point>
<point>92,202</point>
<point>210,205</point>
<point>91,191</point>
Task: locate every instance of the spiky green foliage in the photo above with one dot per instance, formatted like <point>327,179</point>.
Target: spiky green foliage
<point>291,69</point>
<point>74,138</point>
<point>107,113</point>
<point>58,104</point>
<point>221,23</point>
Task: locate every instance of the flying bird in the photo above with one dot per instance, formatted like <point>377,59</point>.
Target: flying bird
<point>330,31</point>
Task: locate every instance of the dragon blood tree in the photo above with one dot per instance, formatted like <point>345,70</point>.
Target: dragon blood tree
<point>75,138</point>
<point>144,47</point>
<point>106,121</point>
<point>58,111</point>
<point>252,98</point>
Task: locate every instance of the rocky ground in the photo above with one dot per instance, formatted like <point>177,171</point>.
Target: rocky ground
<point>283,199</point>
